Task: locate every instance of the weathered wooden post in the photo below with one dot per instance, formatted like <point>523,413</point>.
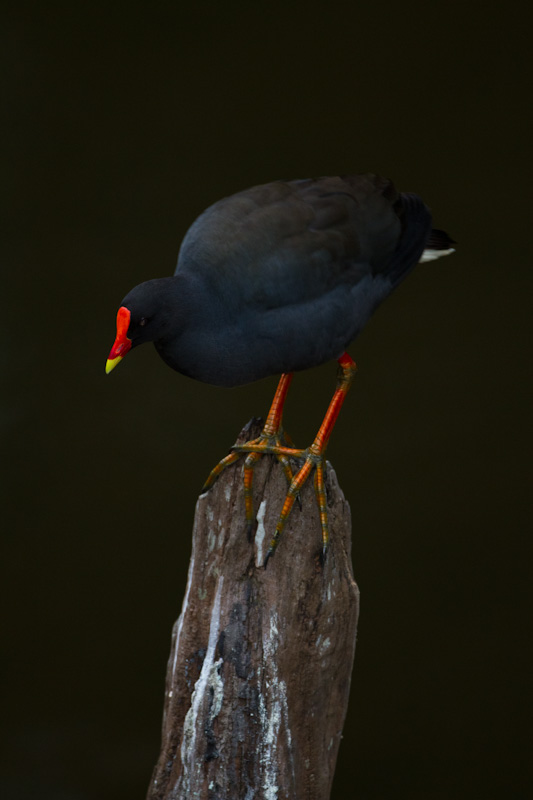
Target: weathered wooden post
<point>259,671</point>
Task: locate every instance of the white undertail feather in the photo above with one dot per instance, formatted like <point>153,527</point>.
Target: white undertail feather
<point>431,255</point>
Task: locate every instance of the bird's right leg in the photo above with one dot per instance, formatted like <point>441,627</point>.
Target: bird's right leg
<point>271,436</point>
<point>270,440</point>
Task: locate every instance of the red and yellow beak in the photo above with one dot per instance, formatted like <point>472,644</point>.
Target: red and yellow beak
<point>122,344</point>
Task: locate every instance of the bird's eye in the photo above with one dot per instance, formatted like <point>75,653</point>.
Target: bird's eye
<point>143,321</point>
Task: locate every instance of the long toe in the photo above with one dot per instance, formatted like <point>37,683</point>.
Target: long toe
<point>219,469</point>
<point>292,493</point>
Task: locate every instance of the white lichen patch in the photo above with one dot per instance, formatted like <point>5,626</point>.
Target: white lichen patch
<point>329,593</point>
<point>214,680</point>
<point>227,493</point>
<point>211,541</point>
<point>208,684</point>
<point>260,534</point>
<point>273,711</point>
<point>324,646</point>
<point>179,624</point>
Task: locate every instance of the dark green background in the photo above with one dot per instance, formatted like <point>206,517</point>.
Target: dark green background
<point>124,122</point>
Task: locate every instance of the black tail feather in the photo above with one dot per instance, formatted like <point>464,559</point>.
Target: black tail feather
<point>416,223</point>
<point>439,240</point>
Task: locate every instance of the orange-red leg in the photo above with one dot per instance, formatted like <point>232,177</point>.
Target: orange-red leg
<point>275,415</point>
<point>270,441</point>
<point>314,458</point>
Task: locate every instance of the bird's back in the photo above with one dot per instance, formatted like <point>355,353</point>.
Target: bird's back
<point>287,242</point>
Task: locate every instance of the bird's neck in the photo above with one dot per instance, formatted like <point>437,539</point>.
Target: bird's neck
<point>179,309</point>
<point>175,304</point>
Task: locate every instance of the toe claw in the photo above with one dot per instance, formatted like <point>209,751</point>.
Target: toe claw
<point>249,531</point>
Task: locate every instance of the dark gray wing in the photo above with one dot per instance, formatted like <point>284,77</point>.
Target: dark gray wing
<point>289,242</point>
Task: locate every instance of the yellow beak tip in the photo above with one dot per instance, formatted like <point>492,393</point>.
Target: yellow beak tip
<point>111,363</point>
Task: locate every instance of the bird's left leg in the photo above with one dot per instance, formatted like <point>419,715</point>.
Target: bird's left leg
<point>314,458</point>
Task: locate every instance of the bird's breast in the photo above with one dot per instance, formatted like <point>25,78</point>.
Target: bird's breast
<point>226,349</point>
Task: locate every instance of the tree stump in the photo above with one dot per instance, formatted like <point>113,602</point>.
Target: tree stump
<point>259,671</point>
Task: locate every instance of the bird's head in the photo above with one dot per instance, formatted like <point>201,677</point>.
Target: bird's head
<point>142,317</point>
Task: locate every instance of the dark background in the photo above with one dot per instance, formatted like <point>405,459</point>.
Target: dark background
<point>123,123</point>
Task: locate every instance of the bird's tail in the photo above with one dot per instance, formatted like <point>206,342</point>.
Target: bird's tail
<point>418,242</point>
<point>438,244</point>
<point>415,217</point>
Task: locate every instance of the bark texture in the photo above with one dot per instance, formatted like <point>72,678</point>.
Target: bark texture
<point>259,671</point>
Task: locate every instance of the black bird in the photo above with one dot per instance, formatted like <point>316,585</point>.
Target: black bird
<point>276,279</point>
